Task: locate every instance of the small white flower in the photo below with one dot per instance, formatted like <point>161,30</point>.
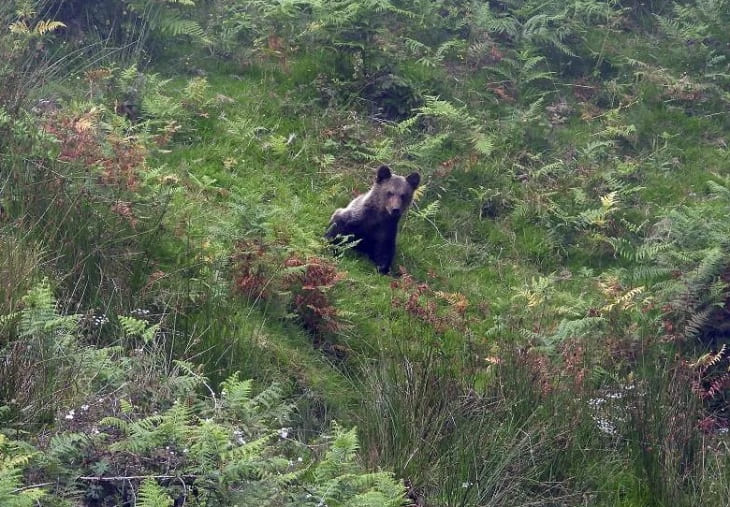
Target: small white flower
<point>84,407</point>
<point>284,432</point>
<point>596,402</point>
<point>605,425</point>
<point>238,437</point>
<point>299,459</point>
<point>71,414</point>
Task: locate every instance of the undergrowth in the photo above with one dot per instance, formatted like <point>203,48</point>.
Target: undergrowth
<point>557,331</point>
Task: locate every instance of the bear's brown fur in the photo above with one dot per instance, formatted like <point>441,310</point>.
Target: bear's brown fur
<point>372,218</point>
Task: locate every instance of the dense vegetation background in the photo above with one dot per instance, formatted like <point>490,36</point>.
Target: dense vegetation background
<point>174,331</point>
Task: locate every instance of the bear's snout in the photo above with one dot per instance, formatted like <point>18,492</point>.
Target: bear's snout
<point>395,206</point>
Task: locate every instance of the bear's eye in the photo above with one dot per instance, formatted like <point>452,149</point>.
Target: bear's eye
<point>390,194</point>
<point>403,196</point>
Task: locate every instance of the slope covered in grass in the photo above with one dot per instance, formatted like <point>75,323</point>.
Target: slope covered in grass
<point>556,334</point>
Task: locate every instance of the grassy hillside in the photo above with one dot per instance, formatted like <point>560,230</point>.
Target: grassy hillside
<point>556,332</point>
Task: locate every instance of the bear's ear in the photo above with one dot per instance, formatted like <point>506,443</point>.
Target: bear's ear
<point>413,179</point>
<point>382,174</point>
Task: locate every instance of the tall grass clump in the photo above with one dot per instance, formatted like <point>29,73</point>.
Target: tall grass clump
<point>662,432</point>
<point>26,58</point>
<point>459,444</point>
<point>20,261</point>
<point>44,363</point>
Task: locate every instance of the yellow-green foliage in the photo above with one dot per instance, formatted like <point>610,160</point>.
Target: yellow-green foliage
<point>14,458</point>
<point>564,250</point>
<point>152,494</point>
<point>234,445</point>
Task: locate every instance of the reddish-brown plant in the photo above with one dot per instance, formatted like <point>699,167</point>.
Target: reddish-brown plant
<point>82,140</point>
<point>252,261</point>
<point>712,376</point>
<point>262,271</point>
<point>574,362</point>
<point>310,285</point>
<point>441,310</point>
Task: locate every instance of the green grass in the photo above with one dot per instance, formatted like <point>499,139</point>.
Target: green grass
<point>472,375</point>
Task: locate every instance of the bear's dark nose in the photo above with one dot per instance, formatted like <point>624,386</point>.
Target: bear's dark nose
<point>395,211</point>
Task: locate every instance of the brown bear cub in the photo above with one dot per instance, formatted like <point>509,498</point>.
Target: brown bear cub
<point>372,218</point>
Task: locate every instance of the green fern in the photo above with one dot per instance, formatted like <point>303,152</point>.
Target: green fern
<point>687,256</point>
<point>254,413</point>
<point>578,328</point>
<point>151,494</point>
<point>505,24</point>
<point>456,126</point>
<point>40,317</point>
<point>66,445</point>
<point>186,380</point>
<point>337,482</point>
<point>137,327</point>
<point>339,457</point>
<point>167,18</point>
<point>175,25</point>
<point>209,443</point>
<point>14,458</point>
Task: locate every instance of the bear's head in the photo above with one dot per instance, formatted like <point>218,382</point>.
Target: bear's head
<point>393,193</point>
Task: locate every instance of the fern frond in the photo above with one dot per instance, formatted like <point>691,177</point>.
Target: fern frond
<point>210,441</point>
<point>68,446</point>
<point>236,392</point>
<point>506,24</point>
<point>132,326</point>
<point>175,26</point>
<point>46,26</point>
<point>419,192</point>
<point>574,328</point>
<point>716,358</point>
<point>415,46</point>
<point>718,189</point>
<point>14,457</point>
<point>696,323</point>
<point>116,423</point>
<point>483,143</point>
<point>340,455</point>
<point>247,461</point>
<point>550,169</point>
<point>40,29</point>
<point>151,494</point>
<point>19,27</point>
